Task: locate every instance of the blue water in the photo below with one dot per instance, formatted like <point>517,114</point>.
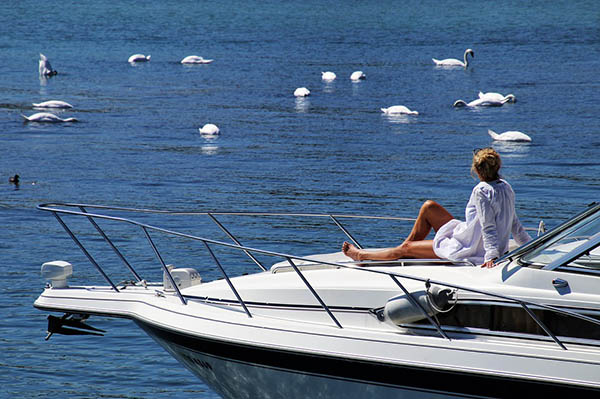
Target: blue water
<point>138,143</point>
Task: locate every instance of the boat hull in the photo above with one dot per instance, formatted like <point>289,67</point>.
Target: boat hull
<point>244,371</point>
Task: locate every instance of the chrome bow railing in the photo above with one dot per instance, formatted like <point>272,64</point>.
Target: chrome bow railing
<point>62,209</point>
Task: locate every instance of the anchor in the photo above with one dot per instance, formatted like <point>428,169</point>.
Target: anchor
<point>60,325</point>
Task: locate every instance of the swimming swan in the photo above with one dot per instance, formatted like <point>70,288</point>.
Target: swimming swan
<point>328,76</point>
<point>47,117</point>
<point>481,102</point>
<point>357,75</point>
<point>511,135</point>
<point>209,130</point>
<point>454,61</point>
<point>398,109</point>
<point>301,92</point>
<point>498,97</point>
<point>138,58</point>
<point>195,59</point>
<point>45,68</point>
<point>52,104</point>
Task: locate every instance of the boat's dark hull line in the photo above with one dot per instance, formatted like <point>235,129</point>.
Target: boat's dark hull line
<point>410,377</point>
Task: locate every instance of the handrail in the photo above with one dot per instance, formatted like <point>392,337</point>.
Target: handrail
<point>416,304</point>
<point>214,219</point>
<point>394,275</point>
<point>114,248</point>
<point>85,251</point>
<point>48,207</point>
<point>542,325</point>
<point>237,295</point>
<point>164,266</point>
<point>346,232</point>
<point>312,290</point>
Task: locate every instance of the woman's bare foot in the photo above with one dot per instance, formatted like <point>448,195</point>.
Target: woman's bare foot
<point>350,250</point>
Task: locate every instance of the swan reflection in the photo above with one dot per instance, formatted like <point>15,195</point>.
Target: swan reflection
<point>329,87</point>
<point>399,118</point>
<point>209,149</point>
<point>511,149</point>
<point>302,104</point>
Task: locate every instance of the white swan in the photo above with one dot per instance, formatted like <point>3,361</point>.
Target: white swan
<point>357,75</point>
<point>481,102</point>
<point>511,135</point>
<point>301,92</point>
<point>45,68</point>
<point>454,61</point>
<point>209,130</point>
<point>139,58</point>
<point>328,76</point>
<point>47,117</point>
<point>498,97</point>
<point>398,109</point>
<point>52,104</point>
<point>195,59</point>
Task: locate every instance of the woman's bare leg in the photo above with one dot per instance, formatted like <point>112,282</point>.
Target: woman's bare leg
<point>431,215</point>
<point>409,249</point>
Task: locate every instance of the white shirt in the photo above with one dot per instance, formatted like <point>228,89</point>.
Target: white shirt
<point>490,219</point>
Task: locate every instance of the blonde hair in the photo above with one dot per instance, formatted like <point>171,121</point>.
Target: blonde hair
<point>486,163</point>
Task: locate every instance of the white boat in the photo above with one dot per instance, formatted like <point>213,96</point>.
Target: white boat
<point>323,326</point>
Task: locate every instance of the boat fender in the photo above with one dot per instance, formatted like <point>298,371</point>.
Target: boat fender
<point>434,299</point>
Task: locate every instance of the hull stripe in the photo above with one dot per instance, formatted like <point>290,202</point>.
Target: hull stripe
<point>405,377</point>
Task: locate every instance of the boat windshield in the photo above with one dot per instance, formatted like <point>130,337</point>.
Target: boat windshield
<point>565,242</point>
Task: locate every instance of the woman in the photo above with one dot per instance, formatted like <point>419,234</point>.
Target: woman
<point>490,219</point>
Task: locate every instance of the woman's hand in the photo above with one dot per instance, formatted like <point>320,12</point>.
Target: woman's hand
<point>489,264</point>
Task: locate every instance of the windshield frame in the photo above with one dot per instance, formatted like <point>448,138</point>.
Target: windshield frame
<point>592,243</point>
<point>592,212</point>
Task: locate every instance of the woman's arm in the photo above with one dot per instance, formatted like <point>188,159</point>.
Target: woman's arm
<point>487,219</point>
<point>518,232</point>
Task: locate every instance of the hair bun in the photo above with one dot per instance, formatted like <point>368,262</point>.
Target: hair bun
<point>486,163</point>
